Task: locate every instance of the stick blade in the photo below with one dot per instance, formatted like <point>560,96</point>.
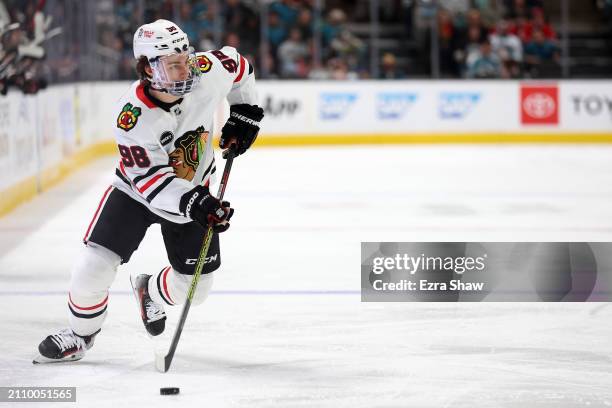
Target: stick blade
<point>160,363</point>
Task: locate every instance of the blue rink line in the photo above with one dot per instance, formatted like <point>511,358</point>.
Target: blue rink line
<point>214,292</point>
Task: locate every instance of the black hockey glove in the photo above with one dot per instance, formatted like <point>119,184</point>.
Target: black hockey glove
<point>205,209</point>
<point>241,128</point>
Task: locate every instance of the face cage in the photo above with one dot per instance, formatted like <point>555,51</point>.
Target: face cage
<point>161,82</point>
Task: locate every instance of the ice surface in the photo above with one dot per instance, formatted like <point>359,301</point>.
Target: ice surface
<point>284,325</point>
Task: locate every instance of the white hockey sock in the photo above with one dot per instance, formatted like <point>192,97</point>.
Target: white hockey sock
<point>92,275</point>
<point>168,287</point>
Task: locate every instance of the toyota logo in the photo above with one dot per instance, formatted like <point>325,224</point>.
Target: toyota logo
<point>539,105</point>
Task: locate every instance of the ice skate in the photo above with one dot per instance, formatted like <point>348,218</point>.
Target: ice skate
<point>63,347</point>
<point>152,313</point>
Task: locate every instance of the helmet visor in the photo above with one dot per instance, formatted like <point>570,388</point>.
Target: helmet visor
<point>176,73</point>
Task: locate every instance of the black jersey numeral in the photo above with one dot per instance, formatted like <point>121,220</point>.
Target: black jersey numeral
<point>134,155</point>
<point>228,63</point>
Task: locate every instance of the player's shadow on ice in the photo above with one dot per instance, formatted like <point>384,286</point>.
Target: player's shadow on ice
<point>534,354</point>
<point>195,364</point>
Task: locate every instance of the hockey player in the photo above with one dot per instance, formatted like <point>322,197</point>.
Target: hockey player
<point>163,131</point>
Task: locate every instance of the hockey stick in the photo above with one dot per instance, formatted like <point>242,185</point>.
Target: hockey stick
<point>163,363</point>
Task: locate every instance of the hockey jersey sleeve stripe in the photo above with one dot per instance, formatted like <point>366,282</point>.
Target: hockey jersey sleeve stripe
<point>149,173</point>
<point>122,177</point>
<point>208,173</point>
<point>159,188</point>
<point>149,183</point>
<point>171,213</point>
<point>87,308</point>
<point>207,170</point>
<point>122,168</point>
<point>242,64</point>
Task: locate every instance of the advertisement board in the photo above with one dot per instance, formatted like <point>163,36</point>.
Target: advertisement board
<point>300,109</point>
<point>41,131</point>
<point>586,106</point>
<point>18,155</point>
<point>539,104</point>
<point>397,107</point>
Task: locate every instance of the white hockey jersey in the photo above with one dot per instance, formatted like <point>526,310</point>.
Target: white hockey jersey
<point>158,143</point>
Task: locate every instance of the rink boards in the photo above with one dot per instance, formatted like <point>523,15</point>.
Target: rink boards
<point>43,137</point>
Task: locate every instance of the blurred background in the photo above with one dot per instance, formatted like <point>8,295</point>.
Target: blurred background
<point>324,39</point>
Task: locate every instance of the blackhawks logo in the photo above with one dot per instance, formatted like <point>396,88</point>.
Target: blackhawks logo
<point>204,64</point>
<point>185,158</point>
<point>128,117</point>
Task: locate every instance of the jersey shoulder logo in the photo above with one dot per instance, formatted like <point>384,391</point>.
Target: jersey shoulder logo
<point>128,117</point>
<point>204,63</point>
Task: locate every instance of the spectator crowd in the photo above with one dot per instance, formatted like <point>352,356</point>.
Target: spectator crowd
<point>24,28</point>
<point>477,38</point>
<point>292,39</point>
<point>289,47</point>
<point>496,39</point>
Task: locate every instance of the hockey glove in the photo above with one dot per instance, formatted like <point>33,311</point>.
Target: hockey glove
<point>208,211</point>
<point>241,128</point>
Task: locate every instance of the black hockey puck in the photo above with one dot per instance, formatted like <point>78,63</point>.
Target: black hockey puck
<point>169,391</point>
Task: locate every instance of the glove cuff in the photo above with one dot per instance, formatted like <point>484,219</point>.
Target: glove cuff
<point>244,119</point>
<point>189,199</point>
<point>253,112</point>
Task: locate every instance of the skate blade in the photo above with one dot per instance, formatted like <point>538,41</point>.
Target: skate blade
<point>40,359</point>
